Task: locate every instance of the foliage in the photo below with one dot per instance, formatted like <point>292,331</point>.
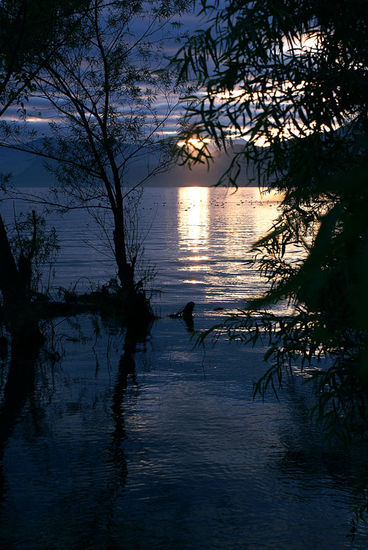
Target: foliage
<point>31,32</point>
<point>34,246</point>
<point>290,79</point>
<point>110,96</point>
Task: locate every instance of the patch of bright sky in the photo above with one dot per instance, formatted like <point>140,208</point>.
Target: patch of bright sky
<point>304,45</point>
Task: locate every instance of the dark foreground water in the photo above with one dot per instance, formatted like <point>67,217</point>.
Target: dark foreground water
<point>165,448</point>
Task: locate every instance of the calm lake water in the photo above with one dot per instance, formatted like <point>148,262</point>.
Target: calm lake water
<point>166,449</point>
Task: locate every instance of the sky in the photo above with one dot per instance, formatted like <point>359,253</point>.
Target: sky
<point>40,114</point>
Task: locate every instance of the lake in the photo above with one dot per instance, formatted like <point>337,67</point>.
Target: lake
<point>166,448</point>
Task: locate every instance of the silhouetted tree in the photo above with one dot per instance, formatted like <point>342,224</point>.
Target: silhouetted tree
<point>111,96</point>
<point>290,78</point>
<point>31,33</point>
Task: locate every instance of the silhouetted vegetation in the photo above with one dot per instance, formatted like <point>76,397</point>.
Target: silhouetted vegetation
<point>32,33</point>
<point>290,79</point>
<point>103,88</point>
<point>101,72</point>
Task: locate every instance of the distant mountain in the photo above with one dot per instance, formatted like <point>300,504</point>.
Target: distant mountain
<point>26,170</point>
<point>200,175</point>
<point>29,171</point>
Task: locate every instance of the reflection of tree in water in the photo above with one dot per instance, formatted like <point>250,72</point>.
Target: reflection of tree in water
<point>19,386</point>
<point>310,462</point>
<point>27,372</point>
<point>309,457</point>
<point>126,370</point>
<point>126,373</point>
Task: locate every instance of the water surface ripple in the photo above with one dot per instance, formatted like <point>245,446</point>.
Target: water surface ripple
<point>167,448</point>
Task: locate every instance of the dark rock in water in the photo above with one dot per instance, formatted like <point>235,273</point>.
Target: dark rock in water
<point>188,316</point>
<point>185,313</point>
<point>188,310</point>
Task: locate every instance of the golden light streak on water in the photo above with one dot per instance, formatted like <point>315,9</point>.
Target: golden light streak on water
<point>193,219</point>
<point>193,227</point>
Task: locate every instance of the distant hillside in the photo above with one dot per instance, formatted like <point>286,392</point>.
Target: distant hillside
<point>26,170</point>
<point>29,171</point>
<point>200,175</point>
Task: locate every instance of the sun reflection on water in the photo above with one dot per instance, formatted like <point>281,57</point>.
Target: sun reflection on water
<point>216,229</point>
<point>193,222</point>
<point>193,228</point>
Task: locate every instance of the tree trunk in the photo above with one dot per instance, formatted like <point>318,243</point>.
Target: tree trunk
<point>125,269</point>
<point>19,317</point>
<point>136,305</point>
<point>14,294</point>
